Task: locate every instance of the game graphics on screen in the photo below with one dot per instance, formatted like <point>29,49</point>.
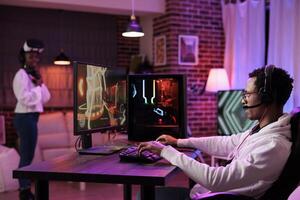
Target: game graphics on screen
<point>101,98</point>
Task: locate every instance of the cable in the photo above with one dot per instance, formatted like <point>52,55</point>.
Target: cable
<point>78,143</point>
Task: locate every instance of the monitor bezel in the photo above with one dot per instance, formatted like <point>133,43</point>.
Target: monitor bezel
<point>75,102</point>
<point>132,136</point>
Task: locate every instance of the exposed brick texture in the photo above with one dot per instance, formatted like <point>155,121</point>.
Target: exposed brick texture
<point>126,46</point>
<point>201,18</point>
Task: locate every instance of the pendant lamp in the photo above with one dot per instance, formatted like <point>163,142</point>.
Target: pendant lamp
<point>133,28</point>
<point>62,59</point>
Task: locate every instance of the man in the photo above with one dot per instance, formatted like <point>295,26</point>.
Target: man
<point>256,156</point>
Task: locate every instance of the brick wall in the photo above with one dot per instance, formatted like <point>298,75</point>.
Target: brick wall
<point>201,18</point>
<point>126,47</point>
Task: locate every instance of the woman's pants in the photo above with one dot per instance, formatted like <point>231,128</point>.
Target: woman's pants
<point>26,127</point>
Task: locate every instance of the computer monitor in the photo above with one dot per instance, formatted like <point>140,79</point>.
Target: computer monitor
<point>156,106</point>
<point>231,115</point>
<point>99,98</point>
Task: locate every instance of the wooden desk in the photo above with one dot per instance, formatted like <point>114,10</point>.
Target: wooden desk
<point>99,169</point>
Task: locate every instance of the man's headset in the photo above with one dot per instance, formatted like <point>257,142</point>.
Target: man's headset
<point>265,92</point>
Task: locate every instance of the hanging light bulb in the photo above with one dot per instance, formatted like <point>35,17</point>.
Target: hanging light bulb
<point>133,28</point>
<point>62,59</point>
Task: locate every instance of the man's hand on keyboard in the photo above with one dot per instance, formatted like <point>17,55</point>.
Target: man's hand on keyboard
<point>153,146</point>
<point>167,139</point>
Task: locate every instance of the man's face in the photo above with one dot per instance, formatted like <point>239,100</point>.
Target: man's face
<point>252,98</point>
<point>32,59</point>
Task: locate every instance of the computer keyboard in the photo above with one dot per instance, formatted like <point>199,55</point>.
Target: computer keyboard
<point>105,149</point>
<point>131,155</point>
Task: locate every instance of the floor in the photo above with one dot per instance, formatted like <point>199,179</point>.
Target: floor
<point>93,191</point>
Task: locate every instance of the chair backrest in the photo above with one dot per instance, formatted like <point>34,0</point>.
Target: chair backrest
<point>290,176</point>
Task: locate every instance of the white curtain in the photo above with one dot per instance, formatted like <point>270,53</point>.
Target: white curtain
<point>244,26</point>
<point>284,42</point>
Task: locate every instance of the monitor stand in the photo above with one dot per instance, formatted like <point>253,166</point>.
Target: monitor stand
<point>86,141</point>
<point>104,149</point>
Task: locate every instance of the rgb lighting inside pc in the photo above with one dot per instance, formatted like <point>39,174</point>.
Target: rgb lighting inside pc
<point>156,105</point>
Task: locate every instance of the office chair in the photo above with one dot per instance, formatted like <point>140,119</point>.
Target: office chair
<point>288,179</point>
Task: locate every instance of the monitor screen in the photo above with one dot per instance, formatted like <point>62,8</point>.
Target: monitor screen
<point>99,98</point>
<point>156,105</point>
<point>231,115</point>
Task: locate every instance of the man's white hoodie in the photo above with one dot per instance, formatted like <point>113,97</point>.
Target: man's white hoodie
<point>257,160</point>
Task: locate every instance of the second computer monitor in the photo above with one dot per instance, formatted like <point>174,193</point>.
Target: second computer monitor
<point>156,106</point>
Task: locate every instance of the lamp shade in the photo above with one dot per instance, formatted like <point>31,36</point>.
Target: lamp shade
<point>62,59</point>
<point>217,80</point>
<point>133,29</point>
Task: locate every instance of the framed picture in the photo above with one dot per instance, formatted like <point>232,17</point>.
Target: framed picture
<point>160,53</point>
<point>188,50</point>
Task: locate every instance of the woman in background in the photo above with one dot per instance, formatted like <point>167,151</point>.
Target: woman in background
<point>31,94</point>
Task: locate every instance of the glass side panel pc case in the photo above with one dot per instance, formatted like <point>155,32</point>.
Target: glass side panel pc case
<point>156,106</point>
<point>231,115</point>
<point>99,98</point>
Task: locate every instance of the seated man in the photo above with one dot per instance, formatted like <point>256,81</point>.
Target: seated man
<point>257,156</point>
